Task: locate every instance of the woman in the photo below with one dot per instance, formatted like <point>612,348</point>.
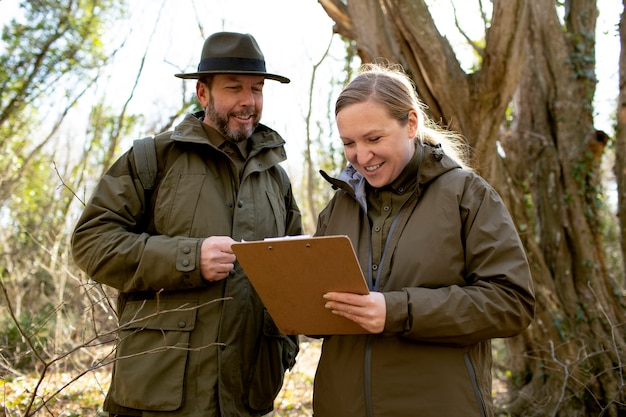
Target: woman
<point>445,266</point>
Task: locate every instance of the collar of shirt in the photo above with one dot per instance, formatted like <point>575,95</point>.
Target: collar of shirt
<point>237,151</point>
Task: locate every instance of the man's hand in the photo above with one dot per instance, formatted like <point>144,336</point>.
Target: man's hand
<point>368,311</point>
<point>216,258</point>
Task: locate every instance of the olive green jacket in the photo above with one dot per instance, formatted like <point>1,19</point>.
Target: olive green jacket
<point>454,275</point>
<point>188,347</point>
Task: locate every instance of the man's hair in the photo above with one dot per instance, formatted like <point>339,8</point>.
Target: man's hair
<point>207,80</point>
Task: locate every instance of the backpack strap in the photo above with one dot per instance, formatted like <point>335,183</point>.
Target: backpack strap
<point>151,163</point>
<point>146,161</point>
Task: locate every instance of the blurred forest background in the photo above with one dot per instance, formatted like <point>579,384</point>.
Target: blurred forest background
<point>538,89</point>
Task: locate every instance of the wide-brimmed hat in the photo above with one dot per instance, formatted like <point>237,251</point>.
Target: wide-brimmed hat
<point>232,53</point>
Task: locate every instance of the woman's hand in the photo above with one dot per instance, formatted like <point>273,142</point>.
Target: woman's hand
<point>368,311</point>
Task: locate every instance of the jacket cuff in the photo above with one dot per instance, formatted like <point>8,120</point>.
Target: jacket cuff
<point>397,317</point>
<point>188,262</point>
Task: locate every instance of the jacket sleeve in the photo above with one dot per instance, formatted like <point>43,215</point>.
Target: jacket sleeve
<point>497,299</point>
<point>110,244</point>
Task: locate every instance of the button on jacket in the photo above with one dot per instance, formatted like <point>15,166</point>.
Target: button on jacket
<point>182,340</point>
<point>442,248</point>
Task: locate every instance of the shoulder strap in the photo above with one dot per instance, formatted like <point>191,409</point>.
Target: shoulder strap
<point>146,161</point>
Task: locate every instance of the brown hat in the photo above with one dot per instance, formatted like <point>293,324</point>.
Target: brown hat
<point>232,53</point>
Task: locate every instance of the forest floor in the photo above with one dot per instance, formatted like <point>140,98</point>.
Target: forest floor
<point>83,396</point>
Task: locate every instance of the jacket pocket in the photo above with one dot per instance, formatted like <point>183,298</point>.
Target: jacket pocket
<point>277,353</point>
<point>152,354</point>
<point>279,212</point>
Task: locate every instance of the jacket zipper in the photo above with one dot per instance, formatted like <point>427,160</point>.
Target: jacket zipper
<point>373,286</point>
<point>472,373</point>
<point>369,342</point>
<point>367,369</point>
<point>367,357</point>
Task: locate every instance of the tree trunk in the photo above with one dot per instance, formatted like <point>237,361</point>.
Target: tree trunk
<point>570,362</point>
<point>579,347</point>
<point>620,141</point>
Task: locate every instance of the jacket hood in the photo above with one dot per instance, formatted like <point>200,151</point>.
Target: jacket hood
<point>433,163</point>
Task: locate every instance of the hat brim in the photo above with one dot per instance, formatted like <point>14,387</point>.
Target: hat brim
<point>196,75</point>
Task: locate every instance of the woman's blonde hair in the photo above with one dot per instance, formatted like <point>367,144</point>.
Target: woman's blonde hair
<point>389,85</point>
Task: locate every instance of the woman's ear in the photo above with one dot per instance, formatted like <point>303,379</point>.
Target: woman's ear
<point>412,124</point>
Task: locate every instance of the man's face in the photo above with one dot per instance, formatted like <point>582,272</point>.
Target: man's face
<point>233,104</point>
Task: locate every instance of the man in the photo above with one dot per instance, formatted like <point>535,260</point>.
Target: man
<point>194,338</point>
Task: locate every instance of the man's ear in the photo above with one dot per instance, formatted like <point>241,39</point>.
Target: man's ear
<point>202,93</point>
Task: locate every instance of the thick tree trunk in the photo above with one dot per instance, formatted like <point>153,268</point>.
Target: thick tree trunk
<point>620,141</point>
<point>577,358</point>
<point>571,361</point>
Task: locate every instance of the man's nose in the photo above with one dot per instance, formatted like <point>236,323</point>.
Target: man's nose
<point>247,98</point>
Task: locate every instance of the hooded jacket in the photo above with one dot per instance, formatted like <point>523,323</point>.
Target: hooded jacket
<point>454,275</point>
<point>188,347</point>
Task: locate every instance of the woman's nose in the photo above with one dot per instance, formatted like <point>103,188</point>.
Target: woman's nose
<point>363,154</point>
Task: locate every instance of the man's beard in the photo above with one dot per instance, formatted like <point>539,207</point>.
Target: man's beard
<point>221,123</point>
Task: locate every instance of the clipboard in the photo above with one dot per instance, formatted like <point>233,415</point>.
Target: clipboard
<point>292,274</point>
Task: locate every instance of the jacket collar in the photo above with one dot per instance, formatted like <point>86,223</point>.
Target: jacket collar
<point>190,130</point>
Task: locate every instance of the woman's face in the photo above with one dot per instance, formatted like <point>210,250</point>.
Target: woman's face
<point>377,145</point>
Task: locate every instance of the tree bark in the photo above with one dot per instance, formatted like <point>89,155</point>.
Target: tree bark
<point>570,362</point>
<point>620,141</point>
<point>579,349</point>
